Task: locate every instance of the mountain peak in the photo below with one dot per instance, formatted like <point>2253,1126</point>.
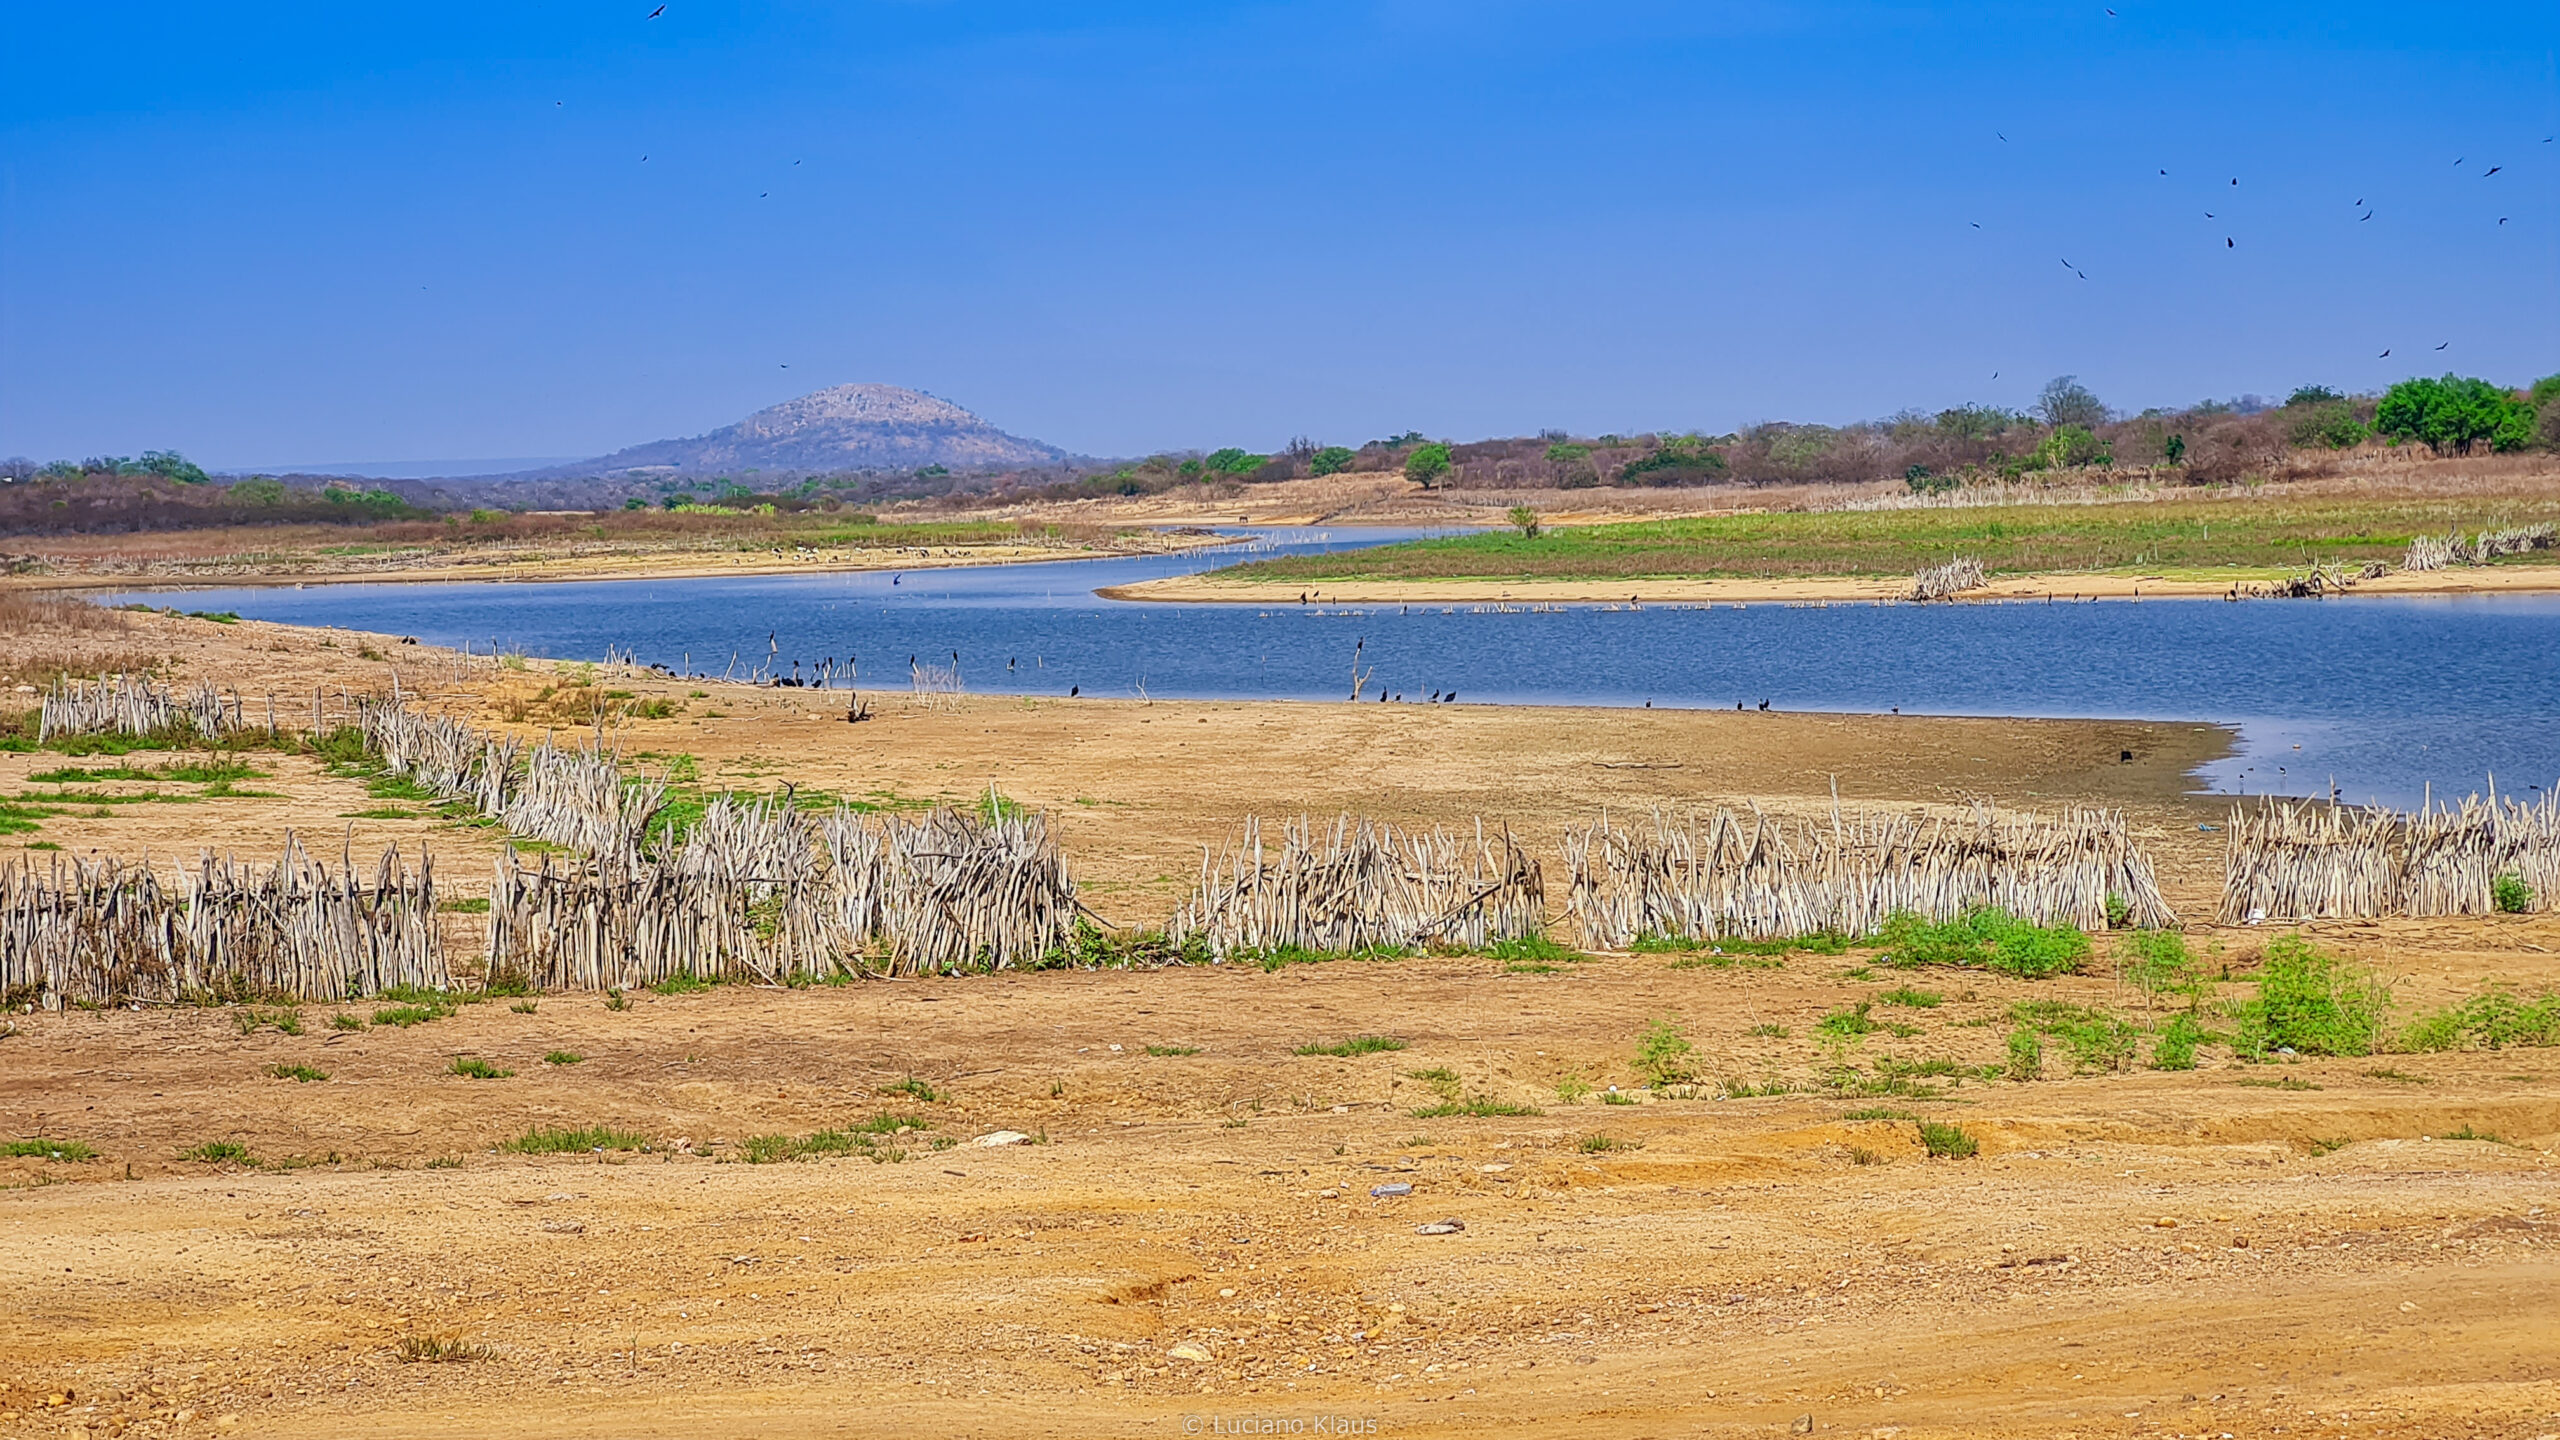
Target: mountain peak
<point>844,427</point>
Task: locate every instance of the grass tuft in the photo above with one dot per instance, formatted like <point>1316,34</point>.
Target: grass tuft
<point>555,1140</point>
<point>302,1073</point>
<point>473,1067</point>
<point>1948,1142</point>
<point>1356,1045</point>
<point>46,1150</point>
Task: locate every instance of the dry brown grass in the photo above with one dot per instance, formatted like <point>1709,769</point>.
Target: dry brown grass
<point>45,637</point>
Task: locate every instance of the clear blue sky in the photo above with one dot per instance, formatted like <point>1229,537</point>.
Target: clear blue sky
<point>279,232</point>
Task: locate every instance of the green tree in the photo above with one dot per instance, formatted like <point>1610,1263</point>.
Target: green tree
<point>2071,445</point>
<point>2312,395</point>
<point>1565,452</point>
<point>1427,464</point>
<point>257,490</point>
<point>1331,460</point>
<point>1526,520</point>
<point>2545,390</point>
<point>1232,461</point>
<point>2452,414</point>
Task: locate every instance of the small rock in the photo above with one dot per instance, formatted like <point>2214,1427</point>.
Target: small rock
<point>1390,1189</point>
<point>2408,1307</point>
<point>1440,1227</point>
<point>2165,1223</point>
<point>1228,1293</point>
<point>225,1422</point>
<point>564,1227</point>
<point>1341,1109</point>
<point>1803,1425</point>
<point>1328,1194</point>
<point>1189,1350</point>
<point>1003,1137</point>
<point>1491,1169</point>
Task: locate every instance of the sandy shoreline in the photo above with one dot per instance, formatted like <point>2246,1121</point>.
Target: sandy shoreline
<point>1219,588</point>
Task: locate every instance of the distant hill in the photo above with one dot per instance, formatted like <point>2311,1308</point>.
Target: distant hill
<point>849,427</point>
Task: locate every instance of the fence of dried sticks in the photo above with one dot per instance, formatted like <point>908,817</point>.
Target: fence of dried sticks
<point>108,932</point>
<point>133,705</point>
<point>1359,884</point>
<point>758,891</point>
<point>1758,876</point>
<point>2316,860</point>
<point>1945,582</point>
<point>2435,552</point>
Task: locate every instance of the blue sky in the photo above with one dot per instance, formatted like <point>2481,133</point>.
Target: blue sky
<point>294,233</point>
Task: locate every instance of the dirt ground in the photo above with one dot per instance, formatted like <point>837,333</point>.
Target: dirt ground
<point>1188,1242</point>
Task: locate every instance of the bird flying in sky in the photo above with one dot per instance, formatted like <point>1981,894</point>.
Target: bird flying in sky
<point>661,10</point>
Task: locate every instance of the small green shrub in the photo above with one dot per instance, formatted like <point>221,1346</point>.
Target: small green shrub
<point>1662,1054</point>
<point>1571,1088</point>
<point>2097,1040</point>
<point>1912,999</point>
<point>2512,895</point>
<point>1767,1031</point>
<point>475,1068</point>
<point>2026,1054</point>
<point>2495,1020</point>
<point>913,1089</point>
<point>1948,1142</point>
<point>563,1057</point>
<point>2175,1049</point>
<point>1602,1144</point>
<point>220,1152</point>
<point>1169,1050</point>
<point>1615,1096</point>
<point>2311,1003</point>
<point>1356,1045</point>
<point>685,984</point>
<point>1481,1107</point>
<point>2157,963</point>
<point>344,1021</point>
<point>1985,937</point>
<point>303,1073</point>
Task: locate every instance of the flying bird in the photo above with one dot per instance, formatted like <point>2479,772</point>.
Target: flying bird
<point>2502,219</point>
<point>2448,342</point>
<point>2208,214</point>
<point>661,10</point>
<point>2164,172</point>
<point>2364,217</point>
<point>2492,170</point>
<point>2230,244</point>
<point>2457,162</point>
<point>2003,138</point>
<point>2385,355</point>
<point>2083,274</point>
<point>1976,224</point>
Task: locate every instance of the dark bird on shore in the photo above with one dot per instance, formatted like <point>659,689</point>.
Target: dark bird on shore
<point>1764,704</point>
<point>1452,700</point>
<point>1072,689</point>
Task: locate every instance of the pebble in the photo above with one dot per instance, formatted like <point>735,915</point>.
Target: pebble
<point>1440,1227</point>
<point>1393,1188</point>
<point>1002,1137</point>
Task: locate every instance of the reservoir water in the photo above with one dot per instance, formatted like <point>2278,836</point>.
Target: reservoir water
<point>2385,695</point>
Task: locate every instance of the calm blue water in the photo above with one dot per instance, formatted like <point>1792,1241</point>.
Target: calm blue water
<point>2386,695</point>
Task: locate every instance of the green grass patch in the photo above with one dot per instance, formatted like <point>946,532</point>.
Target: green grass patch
<point>60,1150</point>
<point>1986,937</point>
<point>913,1089</point>
<point>1912,999</point>
<point>1879,1112</point>
<point>220,1152</point>
<point>2263,534</point>
<point>1356,1045</point>
<point>1172,1050</point>
<point>474,1068</point>
<point>1767,1031</point>
<point>683,984</point>
<point>1848,1023</point>
<point>2095,1040</point>
<point>1603,1144</point>
<point>1948,1142</point>
<point>303,1073</point>
<point>563,1057</point>
<point>2274,1082</point>
<point>1662,1053</point>
<point>1478,1107</point>
<point>555,1140</point>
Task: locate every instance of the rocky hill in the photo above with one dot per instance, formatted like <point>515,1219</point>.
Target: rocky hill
<point>848,427</point>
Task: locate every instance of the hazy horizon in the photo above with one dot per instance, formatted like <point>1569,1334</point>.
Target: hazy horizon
<point>302,231</point>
